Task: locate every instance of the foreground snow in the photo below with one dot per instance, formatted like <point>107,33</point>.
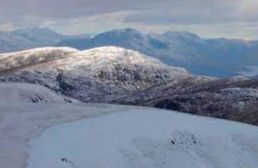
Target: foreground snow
<point>19,123</point>
<point>12,92</point>
<point>127,137</point>
<point>146,138</point>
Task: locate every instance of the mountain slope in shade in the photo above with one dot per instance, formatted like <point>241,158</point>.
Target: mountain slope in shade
<point>233,99</point>
<point>213,57</point>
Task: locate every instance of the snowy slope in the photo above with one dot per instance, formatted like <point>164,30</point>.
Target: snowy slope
<point>146,138</point>
<point>21,122</point>
<point>117,75</point>
<point>12,93</point>
<point>128,137</point>
<point>15,60</point>
<point>96,75</point>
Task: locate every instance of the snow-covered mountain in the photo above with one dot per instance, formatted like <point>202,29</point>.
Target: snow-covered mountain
<point>213,57</point>
<point>122,76</point>
<point>95,75</point>
<point>56,132</point>
<point>79,135</point>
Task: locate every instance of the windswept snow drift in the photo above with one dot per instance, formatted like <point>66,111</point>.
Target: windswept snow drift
<point>146,138</point>
<point>128,137</point>
<point>29,93</point>
<point>21,122</point>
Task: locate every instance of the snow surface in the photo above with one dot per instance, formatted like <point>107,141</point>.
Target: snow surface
<point>132,137</point>
<point>29,93</point>
<point>149,138</point>
<point>21,122</point>
<point>250,71</point>
<point>85,136</point>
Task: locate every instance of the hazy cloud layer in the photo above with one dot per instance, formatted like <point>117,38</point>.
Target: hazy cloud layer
<point>209,17</point>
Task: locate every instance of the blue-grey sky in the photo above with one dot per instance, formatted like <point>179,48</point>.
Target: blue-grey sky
<point>209,18</point>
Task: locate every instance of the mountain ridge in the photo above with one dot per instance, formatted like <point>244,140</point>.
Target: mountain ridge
<point>219,57</point>
<point>122,76</point>
<point>213,57</point>
<point>98,75</point>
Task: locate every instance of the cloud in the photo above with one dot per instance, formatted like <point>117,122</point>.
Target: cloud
<point>67,8</point>
<point>79,16</point>
<point>199,12</point>
<point>92,24</point>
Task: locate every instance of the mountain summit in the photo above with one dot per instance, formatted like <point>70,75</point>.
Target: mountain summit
<point>100,75</point>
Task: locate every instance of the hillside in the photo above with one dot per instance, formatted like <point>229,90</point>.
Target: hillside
<point>96,75</point>
<point>122,76</point>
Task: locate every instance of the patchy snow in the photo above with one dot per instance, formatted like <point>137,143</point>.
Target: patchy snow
<point>25,93</point>
<point>88,62</point>
<point>250,71</point>
<point>33,56</point>
<point>240,92</point>
<point>149,138</point>
<point>97,75</point>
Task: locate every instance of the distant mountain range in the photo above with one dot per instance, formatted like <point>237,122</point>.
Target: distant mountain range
<point>213,57</point>
<point>29,38</point>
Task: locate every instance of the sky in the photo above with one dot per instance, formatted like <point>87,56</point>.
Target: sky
<point>208,18</point>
